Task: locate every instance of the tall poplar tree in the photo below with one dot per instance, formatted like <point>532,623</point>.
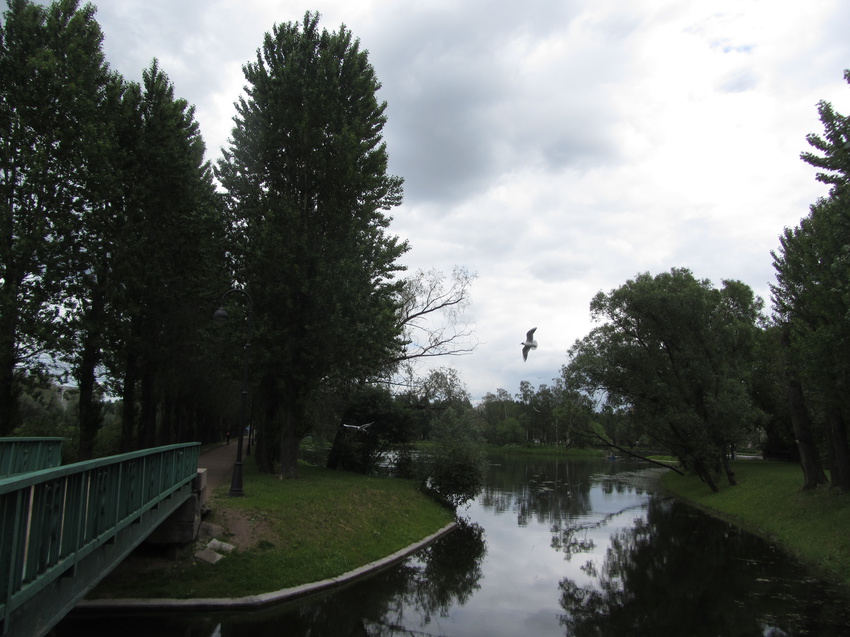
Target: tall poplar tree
<point>811,298</point>
<point>52,82</point>
<point>307,191</point>
<point>168,257</point>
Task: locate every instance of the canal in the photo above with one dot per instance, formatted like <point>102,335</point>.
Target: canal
<point>552,547</point>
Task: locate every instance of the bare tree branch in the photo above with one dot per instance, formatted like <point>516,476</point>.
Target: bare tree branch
<point>608,443</point>
<point>431,314</point>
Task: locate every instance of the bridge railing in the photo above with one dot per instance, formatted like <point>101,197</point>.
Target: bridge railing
<point>19,455</point>
<point>52,519</point>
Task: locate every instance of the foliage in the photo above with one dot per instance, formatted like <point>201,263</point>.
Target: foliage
<point>111,234</point>
<point>676,353</point>
<point>811,301</point>
<point>454,469</point>
<point>170,221</point>
<point>546,415</point>
<point>307,188</point>
<point>389,427</point>
<point>52,81</point>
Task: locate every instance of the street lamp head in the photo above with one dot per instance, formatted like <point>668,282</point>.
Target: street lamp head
<point>220,315</point>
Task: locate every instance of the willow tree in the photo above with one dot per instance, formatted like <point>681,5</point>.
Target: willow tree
<point>677,353</point>
<point>307,191</point>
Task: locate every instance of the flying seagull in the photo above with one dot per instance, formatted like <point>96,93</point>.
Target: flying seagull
<point>359,427</point>
<point>529,344</point>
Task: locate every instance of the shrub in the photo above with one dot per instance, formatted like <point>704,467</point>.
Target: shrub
<point>454,471</point>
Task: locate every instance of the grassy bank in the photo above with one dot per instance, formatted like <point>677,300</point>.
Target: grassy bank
<point>768,500</point>
<point>298,531</point>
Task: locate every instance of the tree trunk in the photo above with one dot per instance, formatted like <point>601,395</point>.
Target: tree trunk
<point>8,386</point>
<point>128,406</point>
<point>289,456</point>
<point>336,451</point>
<point>289,441</point>
<point>89,407</point>
<point>840,472</point>
<point>147,424</point>
<point>704,474</point>
<point>8,395</point>
<point>730,475</point>
<point>810,462</point>
<point>166,428</point>
<point>813,473</point>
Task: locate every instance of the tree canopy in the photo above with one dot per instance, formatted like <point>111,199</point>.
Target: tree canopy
<point>675,353</point>
<point>307,192</point>
<point>111,230</point>
<point>811,302</point>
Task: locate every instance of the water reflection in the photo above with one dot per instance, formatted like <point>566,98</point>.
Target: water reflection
<point>427,586</point>
<point>556,548</point>
<point>678,573</point>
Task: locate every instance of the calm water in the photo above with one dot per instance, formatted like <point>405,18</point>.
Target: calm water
<point>553,548</point>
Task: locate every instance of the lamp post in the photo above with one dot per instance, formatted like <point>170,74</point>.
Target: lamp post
<point>221,315</point>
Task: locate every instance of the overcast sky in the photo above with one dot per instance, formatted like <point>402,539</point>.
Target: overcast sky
<point>556,148</point>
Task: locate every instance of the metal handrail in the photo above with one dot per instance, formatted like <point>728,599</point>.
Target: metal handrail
<point>20,455</point>
<point>53,518</point>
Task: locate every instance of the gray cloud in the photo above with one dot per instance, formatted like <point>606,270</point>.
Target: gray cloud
<point>557,147</point>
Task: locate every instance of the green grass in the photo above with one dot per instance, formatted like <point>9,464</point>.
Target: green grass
<point>769,501</point>
<point>321,525</point>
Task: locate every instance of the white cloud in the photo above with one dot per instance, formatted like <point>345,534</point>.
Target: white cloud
<point>556,147</point>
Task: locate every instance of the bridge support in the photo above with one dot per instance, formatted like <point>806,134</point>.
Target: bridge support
<point>182,526</point>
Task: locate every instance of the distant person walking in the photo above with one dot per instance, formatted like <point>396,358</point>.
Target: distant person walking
<point>227,437</point>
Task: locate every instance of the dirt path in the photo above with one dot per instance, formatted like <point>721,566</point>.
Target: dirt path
<point>236,526</point>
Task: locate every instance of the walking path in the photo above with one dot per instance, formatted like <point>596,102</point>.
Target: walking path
<point>218,461</point>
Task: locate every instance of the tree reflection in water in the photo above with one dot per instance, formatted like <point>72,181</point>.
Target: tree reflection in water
<point>443,575</point>
<point>668,575</point>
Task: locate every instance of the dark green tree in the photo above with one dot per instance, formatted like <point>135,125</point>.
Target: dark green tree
<point>811,306</point>
<point>52,85</point>
<point>454,470</point>
<point>388,427</point>
<point>86,285</point>
<point>307,192</point>
<point>166,264</point>
<point>571,414</point>
<point>677,352</point>
<point>811,302</point>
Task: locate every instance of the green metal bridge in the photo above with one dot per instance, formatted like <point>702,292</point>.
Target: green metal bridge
<point>63,528</point>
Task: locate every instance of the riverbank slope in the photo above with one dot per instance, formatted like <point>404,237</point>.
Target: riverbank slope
<point>768,500</point>
<point>287,533</point>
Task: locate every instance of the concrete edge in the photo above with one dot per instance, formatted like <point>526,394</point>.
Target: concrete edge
<point>263,599</point>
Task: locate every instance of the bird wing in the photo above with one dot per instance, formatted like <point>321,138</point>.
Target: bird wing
<point>525,353</point>
<point>530,334</point>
